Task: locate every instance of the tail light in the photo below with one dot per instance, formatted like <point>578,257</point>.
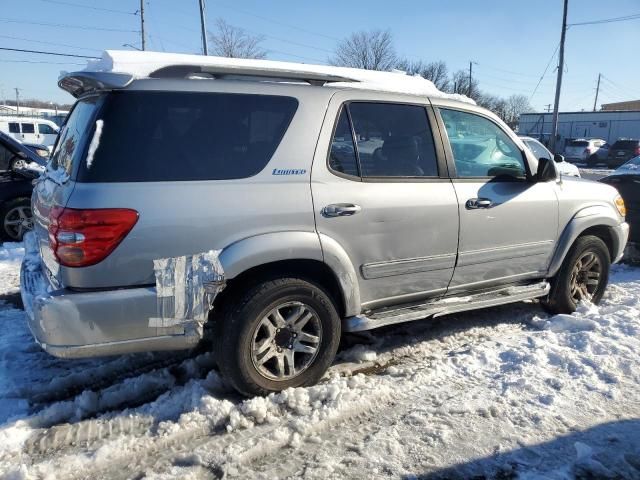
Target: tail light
<point>587,151</point>
<point>79,238</point>
<point>637,150</point>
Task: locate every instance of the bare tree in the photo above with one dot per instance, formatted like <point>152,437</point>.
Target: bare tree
<point>234,42</point>
<point>515,105</point>
<point>460,84</point>
<point>494,103</point>
<point>435,71</point>
<point>372,50</point>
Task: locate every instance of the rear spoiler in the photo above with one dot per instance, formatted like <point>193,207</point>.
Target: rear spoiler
<point>81,83</point>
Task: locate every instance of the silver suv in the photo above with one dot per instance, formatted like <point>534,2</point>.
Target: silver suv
<point>276,206</point>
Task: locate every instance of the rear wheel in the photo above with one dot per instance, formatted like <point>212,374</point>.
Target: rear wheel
<point>278,334</point>
<point>584,275</point>
<point>16,219</point>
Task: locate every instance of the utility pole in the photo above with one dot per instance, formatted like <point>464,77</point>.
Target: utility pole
<point>470,78</point>
<point>595,102</point>
<point>556,105</point>
<point>205,48</point>
<point>548,107</point>
<point>142,23</point>
<point>17,100</point>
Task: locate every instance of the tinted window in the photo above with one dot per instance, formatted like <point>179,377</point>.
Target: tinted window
<point>578,143</point>
<point>393,140</point>
<point>481,148</point>
<point>177,136</point>
<point>45,129</point>
<point>28,128</point>
<point>14,128</point>
<point>74,134</point>
<point>626,144</point>
<point>342,157</point>
<point>538,150</point>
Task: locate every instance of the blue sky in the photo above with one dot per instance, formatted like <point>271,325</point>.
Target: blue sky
<point>511,41</point>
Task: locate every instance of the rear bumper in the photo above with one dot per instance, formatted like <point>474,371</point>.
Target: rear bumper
<point>72,325</point>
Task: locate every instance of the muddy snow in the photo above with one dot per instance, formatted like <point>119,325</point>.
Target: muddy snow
<point>509,392</point>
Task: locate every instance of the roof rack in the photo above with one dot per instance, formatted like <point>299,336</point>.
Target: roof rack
<point>117,68</point>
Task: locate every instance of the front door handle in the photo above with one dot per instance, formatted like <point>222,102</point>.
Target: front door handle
<point>475,203</point>
<point>341,210</point>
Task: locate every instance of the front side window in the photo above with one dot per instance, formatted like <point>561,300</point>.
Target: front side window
<point>393,140</point>
<point>28,128</point>
<point>342,157</point>
<point>14,127</point>
<point>5,157</point>
<point>45,129</point>
<point>480,147</point>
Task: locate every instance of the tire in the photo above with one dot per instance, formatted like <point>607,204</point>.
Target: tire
<point>12,211</point>
<point>248,331</point>
<point>564,295</point>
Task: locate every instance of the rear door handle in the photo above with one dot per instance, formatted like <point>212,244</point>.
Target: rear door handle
<point>475,203</point>
<point>341,210</point>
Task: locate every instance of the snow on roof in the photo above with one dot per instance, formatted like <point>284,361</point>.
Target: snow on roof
<point>143,64</point>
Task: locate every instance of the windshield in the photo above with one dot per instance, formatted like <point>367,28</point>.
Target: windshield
<point>74,134</point>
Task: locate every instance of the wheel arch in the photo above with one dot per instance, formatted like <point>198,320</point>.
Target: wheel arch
<point>599,221</point>
<point>303,254</point>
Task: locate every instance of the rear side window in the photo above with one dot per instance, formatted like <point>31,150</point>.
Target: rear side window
<point>14,127</point>
<point>73,136</point>
<point>578,143</point>
<point>28,128</point>
<point>342,158</point>
<point>393,140</point>
<point>181,136</point>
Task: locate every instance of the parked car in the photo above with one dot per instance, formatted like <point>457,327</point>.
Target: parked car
<point>18,167</point>
<point>622,150</point>
<point>251,208</point>
<point>540,151</point>
<point>590,151</point>
<point>30,130</point>
<point>626,179</point>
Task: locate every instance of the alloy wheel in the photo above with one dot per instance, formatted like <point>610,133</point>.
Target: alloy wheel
<point>18,221</point>
<point>585,277</point>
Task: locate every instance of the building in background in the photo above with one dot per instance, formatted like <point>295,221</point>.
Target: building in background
<point>628,105</point>
<point>607,125</point>
<point>55,115</point>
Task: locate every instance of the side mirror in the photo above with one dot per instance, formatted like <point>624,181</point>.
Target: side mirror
<point>558,158</point>
<point>546,170</point>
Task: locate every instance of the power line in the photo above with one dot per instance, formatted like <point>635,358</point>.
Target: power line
<point>63,25</point>
<point>544,72</point>
<point>47,53</point>
<point>635,16</point>
<point>245,12</point>
<point>622,88</point>
<point>506,71</point>
<point>2,60</point>
<point>49,43</point>
<point>79,5</point>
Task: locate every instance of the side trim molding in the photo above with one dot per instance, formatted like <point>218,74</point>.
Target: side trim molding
<point>408,265</point>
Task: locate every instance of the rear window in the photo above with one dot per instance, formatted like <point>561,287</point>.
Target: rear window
<point>178,136</point>
<point>578,143</point>
<point>624,144</point>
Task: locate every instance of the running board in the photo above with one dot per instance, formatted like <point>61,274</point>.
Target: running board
<point>445,306</point>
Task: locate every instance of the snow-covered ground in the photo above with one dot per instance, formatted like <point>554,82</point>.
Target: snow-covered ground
<point>508,392</point>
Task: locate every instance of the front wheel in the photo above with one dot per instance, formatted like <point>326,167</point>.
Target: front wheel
<point>584,275</point>
<point>278,334</point>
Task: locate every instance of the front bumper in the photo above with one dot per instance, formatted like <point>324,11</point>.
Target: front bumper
<point>87,324</point>
<point>621,233</point>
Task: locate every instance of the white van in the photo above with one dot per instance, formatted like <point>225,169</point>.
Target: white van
<point>30,130</point>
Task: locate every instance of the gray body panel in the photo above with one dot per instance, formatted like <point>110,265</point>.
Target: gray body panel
<point>412,240</point>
